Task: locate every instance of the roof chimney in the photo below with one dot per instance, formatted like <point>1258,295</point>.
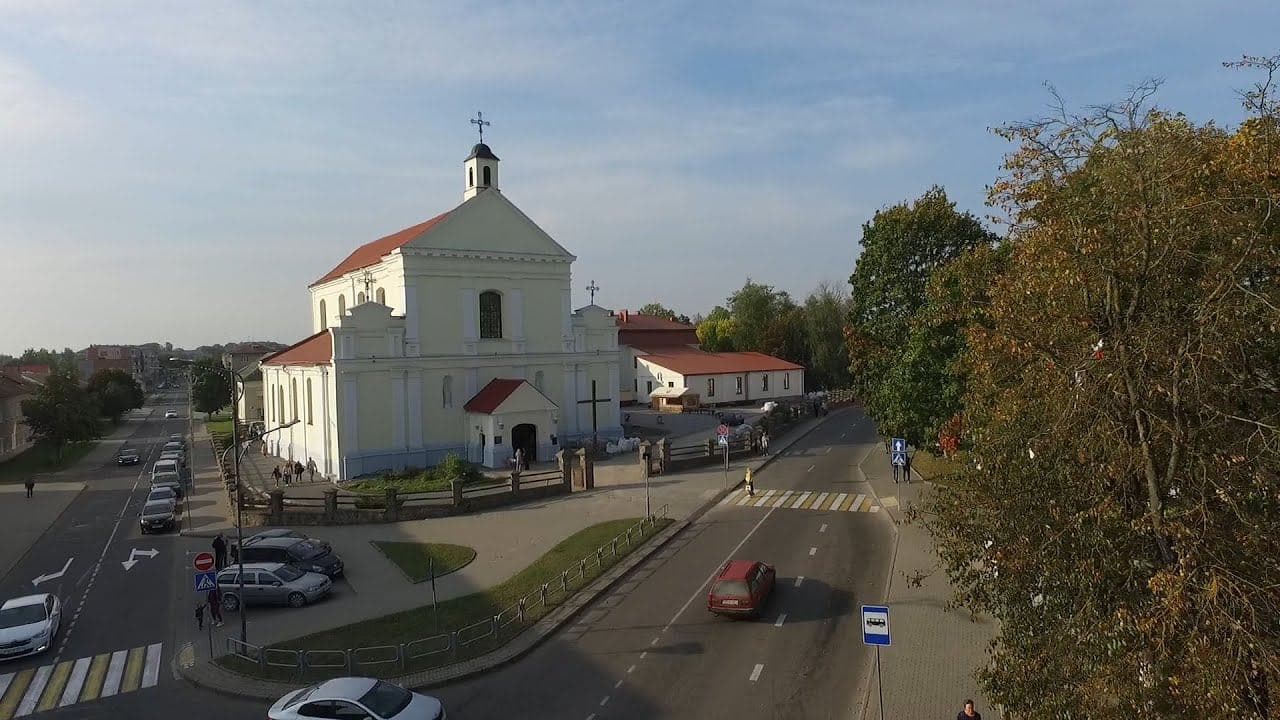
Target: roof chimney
<point>626,317</point>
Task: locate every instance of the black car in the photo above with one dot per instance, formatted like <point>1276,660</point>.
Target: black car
<point>127,456</point>
<point>306,554</point>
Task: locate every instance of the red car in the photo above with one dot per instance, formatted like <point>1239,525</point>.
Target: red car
<point>741,588</point>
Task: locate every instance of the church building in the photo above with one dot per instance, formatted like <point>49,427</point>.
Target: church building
<point>453,336</point>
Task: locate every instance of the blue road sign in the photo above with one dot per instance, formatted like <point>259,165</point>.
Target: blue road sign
<point>899,452</point>
<point>205,581</point>
<point>723,441</point>
<point>875,625</point>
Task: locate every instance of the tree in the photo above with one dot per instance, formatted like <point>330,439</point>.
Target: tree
<point>754,308</point>
<point>1119,512</point>
<point>115,392</point>
<point>62,411</point>
<point>657,310</point>
<point>210,386</point>
<point>902,246</point>
<point>715,332</point>
<point>824,316</point>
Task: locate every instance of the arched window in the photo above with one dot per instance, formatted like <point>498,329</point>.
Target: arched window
<point>293,396</point>
<point>446,392</point>
<point>538,379</point>
<point>486,176</point>
<point>360,299</point>
<point>490,315</point>
<point>471,177</point>
<point>324,317</point>
<point>310,419</point>
<point>342,305</point>
<point>382,296</point>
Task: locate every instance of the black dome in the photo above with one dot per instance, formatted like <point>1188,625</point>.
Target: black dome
<point>483,152</point>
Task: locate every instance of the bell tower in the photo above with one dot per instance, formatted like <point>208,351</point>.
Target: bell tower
<point>481,166</point>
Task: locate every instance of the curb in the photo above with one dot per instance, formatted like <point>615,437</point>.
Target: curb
<point>512,651</point>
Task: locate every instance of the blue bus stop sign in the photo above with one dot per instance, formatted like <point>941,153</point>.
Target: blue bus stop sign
<point>875,625</point>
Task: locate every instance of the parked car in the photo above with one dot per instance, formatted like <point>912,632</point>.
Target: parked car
<point>127,456</point>
<point>741,588</point>
<point>731,419</point>
<point>170,414</point>
<point>174,445</point>
<point>175,455</point>
<point>163,492</point>
<point>178,438</point>
<point>306,554</point>
<point>171,482</point>
<point>275,532</point>
<point>271,584</point>
<point>28,625</point>
<point>157,515</point>
<point>164,467</point>
<point>353,697</point>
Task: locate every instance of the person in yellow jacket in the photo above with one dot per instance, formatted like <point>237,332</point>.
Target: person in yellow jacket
<point>751,490</point>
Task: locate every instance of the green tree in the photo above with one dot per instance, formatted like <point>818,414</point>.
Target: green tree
<point>1119,512</point>
<point>825,311</point>
<point>62,411</point>
<point>115,392</point>
<point>715,332</point>
<point>754,308</point>
<point>210,386</point>
<point>902,246</point>
<point>658,310</point>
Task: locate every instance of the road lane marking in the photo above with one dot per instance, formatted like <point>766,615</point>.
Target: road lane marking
<point>646,652</point>
<point>57,683</point>
<point>133,670</point>
<point>781,619</point>
<point>823,528</point>
<point>755,672</point>
<point>653,642</point>
<point>97,671</point>
<point>592,716</point>
<point>744,499</point>
<point>17,689</point>
<point>803,496</point>
<point>813,551</point>
<point>79,672</point>
<point>810,469</point>
<point>875,508</point>
<point>817,504</point>
<point>604,701</point>
<point>34,691</point>
<point>799,579</point>
<point>765,499</point>
<point>838,503</point>
<point>115,672</point>
<point>808,504</point>
<point>617,685</point>
<point>151,673</point>
<point>857,503</point>
<point>5,681</point>
<point>828,452</point>
<point>631,669</point>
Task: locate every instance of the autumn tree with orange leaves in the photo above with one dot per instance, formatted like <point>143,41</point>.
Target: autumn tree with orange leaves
<point>1119,513</point>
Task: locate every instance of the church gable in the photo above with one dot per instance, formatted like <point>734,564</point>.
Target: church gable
<point>503,395</point>
<point>489,223</point>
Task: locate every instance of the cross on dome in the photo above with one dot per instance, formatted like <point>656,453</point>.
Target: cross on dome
<point>480,123</point>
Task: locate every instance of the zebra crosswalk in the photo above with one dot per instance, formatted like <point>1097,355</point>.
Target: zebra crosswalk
<point>69,682</point>
<point>803,500</point>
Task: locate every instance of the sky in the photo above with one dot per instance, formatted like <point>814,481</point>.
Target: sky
<point>181,171</point>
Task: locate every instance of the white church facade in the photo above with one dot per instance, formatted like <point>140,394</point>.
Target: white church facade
<point>454,336</point>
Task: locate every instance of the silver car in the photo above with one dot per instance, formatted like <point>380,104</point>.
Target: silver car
<point>28,625</point>
<point>354,697</point>
<point>271,584</point>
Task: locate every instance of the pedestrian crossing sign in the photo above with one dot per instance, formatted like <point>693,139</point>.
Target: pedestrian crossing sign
<point>206,581</point>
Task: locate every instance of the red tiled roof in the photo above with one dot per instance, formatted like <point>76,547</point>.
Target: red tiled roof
<point>697,362</point>
<point>370,253</point>
<point>627,320</point>
<point>492,395</point>
<point>315,350</point>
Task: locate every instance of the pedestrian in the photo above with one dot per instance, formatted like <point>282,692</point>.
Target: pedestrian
<point>907,467</point>
<point>200,617</point>
<point>276,474</point>
<point>751,489</point>
<point>31,486</point>
<point>311,466</point>
<point>764,442</point>
<point>968,713</point>
<point>220,551</point>
<point>288,473</point>
<point>298,470</point>
<point>214,599</point>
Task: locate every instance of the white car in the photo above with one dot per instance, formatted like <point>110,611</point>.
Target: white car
<point>356,698</point>
<point>28,625</point>
<point>170,414</point>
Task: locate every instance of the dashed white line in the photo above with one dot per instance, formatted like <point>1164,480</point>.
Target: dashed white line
<point>604,701</point>
<point>631,669</point>
<point>781,619</point>
<point>646,652</point>
<point>755,672</point>
<point>813,551</point>
<point>653,642</point>
<point>810,469</point>
<point>617,685</point>
<point>823,528</point>
<point>592,716</point>
<point>828,450</point>
<point>799,579</point>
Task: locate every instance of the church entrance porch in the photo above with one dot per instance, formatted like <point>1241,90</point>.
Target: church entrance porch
<point>525,437</point>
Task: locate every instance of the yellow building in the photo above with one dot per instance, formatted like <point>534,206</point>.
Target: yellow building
<point>456,335</point>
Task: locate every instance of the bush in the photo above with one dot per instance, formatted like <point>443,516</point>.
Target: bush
<point>440,477</point>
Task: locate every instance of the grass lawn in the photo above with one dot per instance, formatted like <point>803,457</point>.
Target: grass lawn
<point>932,467</point>
<point>423,622</point>
<point>40,459</point>
<point>415,559</point>
<point>219,425</point>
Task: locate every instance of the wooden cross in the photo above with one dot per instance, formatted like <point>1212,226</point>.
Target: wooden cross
<point>593,289</point>
<point>595,403</point>
<point>480,122</point>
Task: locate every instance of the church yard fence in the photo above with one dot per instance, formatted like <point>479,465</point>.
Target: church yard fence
<point>451,645</point>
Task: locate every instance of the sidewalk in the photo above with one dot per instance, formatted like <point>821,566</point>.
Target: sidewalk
<point>928,672</point>
<point>506,540</point>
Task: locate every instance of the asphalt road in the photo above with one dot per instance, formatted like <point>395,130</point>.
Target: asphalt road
<point>116,623</point>
<point>650,648</point>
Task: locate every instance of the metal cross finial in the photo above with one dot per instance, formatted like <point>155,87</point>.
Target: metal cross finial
<point>480,122</point>
<point>367,278</point>
<point>593,289</point>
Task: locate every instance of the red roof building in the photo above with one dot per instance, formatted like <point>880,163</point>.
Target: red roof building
<point>371,253</point>
<point>315,350</point>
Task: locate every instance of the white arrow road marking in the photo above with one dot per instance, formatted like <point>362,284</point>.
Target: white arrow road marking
<point>53,576</point>
<point>128,564</point>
